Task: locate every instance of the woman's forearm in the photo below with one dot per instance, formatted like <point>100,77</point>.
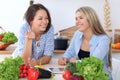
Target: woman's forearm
<point>44,60</point>
<point>27,52</point>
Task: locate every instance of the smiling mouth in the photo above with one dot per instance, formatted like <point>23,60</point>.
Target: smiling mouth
<point>79,24</point>
<point>43,26</point>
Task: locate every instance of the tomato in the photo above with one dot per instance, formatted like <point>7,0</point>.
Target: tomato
<point>67,75</point>
<point>25,67</point>
<point>21,67</point>
<point>1,36</point>
<point>25,75</point>
<point>28,67</point>
<point>117,46</point>
<point>21,75</point>
<point>25,71</point>
<point>21,71</point>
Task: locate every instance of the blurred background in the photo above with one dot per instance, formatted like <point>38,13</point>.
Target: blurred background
<point>62,12</point>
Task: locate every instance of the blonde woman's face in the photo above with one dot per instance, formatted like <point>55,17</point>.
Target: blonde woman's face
<point>81,22</point>
<point>40,21</point>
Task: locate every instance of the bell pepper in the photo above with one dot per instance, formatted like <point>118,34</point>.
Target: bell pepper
<point>33,74</point>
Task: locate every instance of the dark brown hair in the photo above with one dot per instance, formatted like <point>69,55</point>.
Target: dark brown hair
<point>31,11</point>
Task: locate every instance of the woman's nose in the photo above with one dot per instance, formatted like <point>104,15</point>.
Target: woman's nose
<point>44,21</point>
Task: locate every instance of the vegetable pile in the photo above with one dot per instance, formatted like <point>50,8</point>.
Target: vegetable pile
<point>39,73</point>
<point>88,69</point>
<point>116,45</point>
<point>9,68</point>
<point>8,37</point>
<point>24,70</point>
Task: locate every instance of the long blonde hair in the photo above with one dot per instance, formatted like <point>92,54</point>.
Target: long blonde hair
<point>95,24</point>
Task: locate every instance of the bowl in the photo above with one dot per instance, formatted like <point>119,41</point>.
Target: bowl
<point>3,45</point>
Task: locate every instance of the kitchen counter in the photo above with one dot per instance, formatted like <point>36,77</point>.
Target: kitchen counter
<point>54,64</point>
<point>11,49</point>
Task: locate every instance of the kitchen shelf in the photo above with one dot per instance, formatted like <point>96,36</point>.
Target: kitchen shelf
<point>115,50</point>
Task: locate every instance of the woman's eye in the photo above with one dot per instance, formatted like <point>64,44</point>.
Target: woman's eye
<point>81,17</point>
<point>46,18</point>
<point>76,18</point>
<point>39,18</point>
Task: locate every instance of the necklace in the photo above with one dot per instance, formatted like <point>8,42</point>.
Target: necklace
<point>38,43</point>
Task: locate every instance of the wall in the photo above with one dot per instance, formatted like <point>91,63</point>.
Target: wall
<point>62,12</point>
<point>11,14</point>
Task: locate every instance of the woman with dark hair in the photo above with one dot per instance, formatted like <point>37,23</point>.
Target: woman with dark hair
<point>36,38</point>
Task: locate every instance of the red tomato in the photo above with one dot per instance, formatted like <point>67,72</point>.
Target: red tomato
<point>25,67</point>
<point>28,67</point>
<point>1,36</point>
<point>21,67</point>
<point>25,71</point>
<point>67,75</point>
<point>25,75</point>
<point>21,71</point>
<point>21,75</point>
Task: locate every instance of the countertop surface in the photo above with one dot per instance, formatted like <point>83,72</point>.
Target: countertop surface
<point>10,49</point>
<point>54,64</point>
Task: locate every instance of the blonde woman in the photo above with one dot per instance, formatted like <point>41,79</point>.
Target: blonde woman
<point>89,40</point>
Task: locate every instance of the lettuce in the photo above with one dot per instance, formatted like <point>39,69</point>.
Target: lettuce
<point>9,68</point>
<point>91,69</point>
<point>9,37</point>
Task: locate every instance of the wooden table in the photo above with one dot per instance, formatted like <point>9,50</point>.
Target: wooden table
<point>10,50</point>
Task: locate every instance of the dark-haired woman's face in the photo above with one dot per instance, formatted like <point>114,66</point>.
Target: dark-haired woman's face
<point>40,21</point>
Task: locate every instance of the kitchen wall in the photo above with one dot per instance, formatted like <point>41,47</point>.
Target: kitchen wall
<point>62,12</point>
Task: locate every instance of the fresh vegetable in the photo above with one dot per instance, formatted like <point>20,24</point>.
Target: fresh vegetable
<point>9,37</point>
<point>116,45</point>
<point>40,66</point>
<point>88,69</point>
<point>33,74</point>
<point>67,75</point>
<point>24,70</point>
<point>1,36</point>
<point>76,77</point>
<point>45,74</point>
<point>71,67</point>
<point>9,68</point>
<point>91,69</point>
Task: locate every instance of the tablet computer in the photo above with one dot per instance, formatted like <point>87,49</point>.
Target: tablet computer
<point>56,70</point>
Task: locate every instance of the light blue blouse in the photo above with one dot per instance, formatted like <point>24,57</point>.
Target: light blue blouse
<point>46,43</point>
<point>99,47</point>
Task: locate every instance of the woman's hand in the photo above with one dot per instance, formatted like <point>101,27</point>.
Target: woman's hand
<point>73,59</point>
<point>33,62</point>
<point>30,34</point>
<point>27,52</point>
<point>62,61</point>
